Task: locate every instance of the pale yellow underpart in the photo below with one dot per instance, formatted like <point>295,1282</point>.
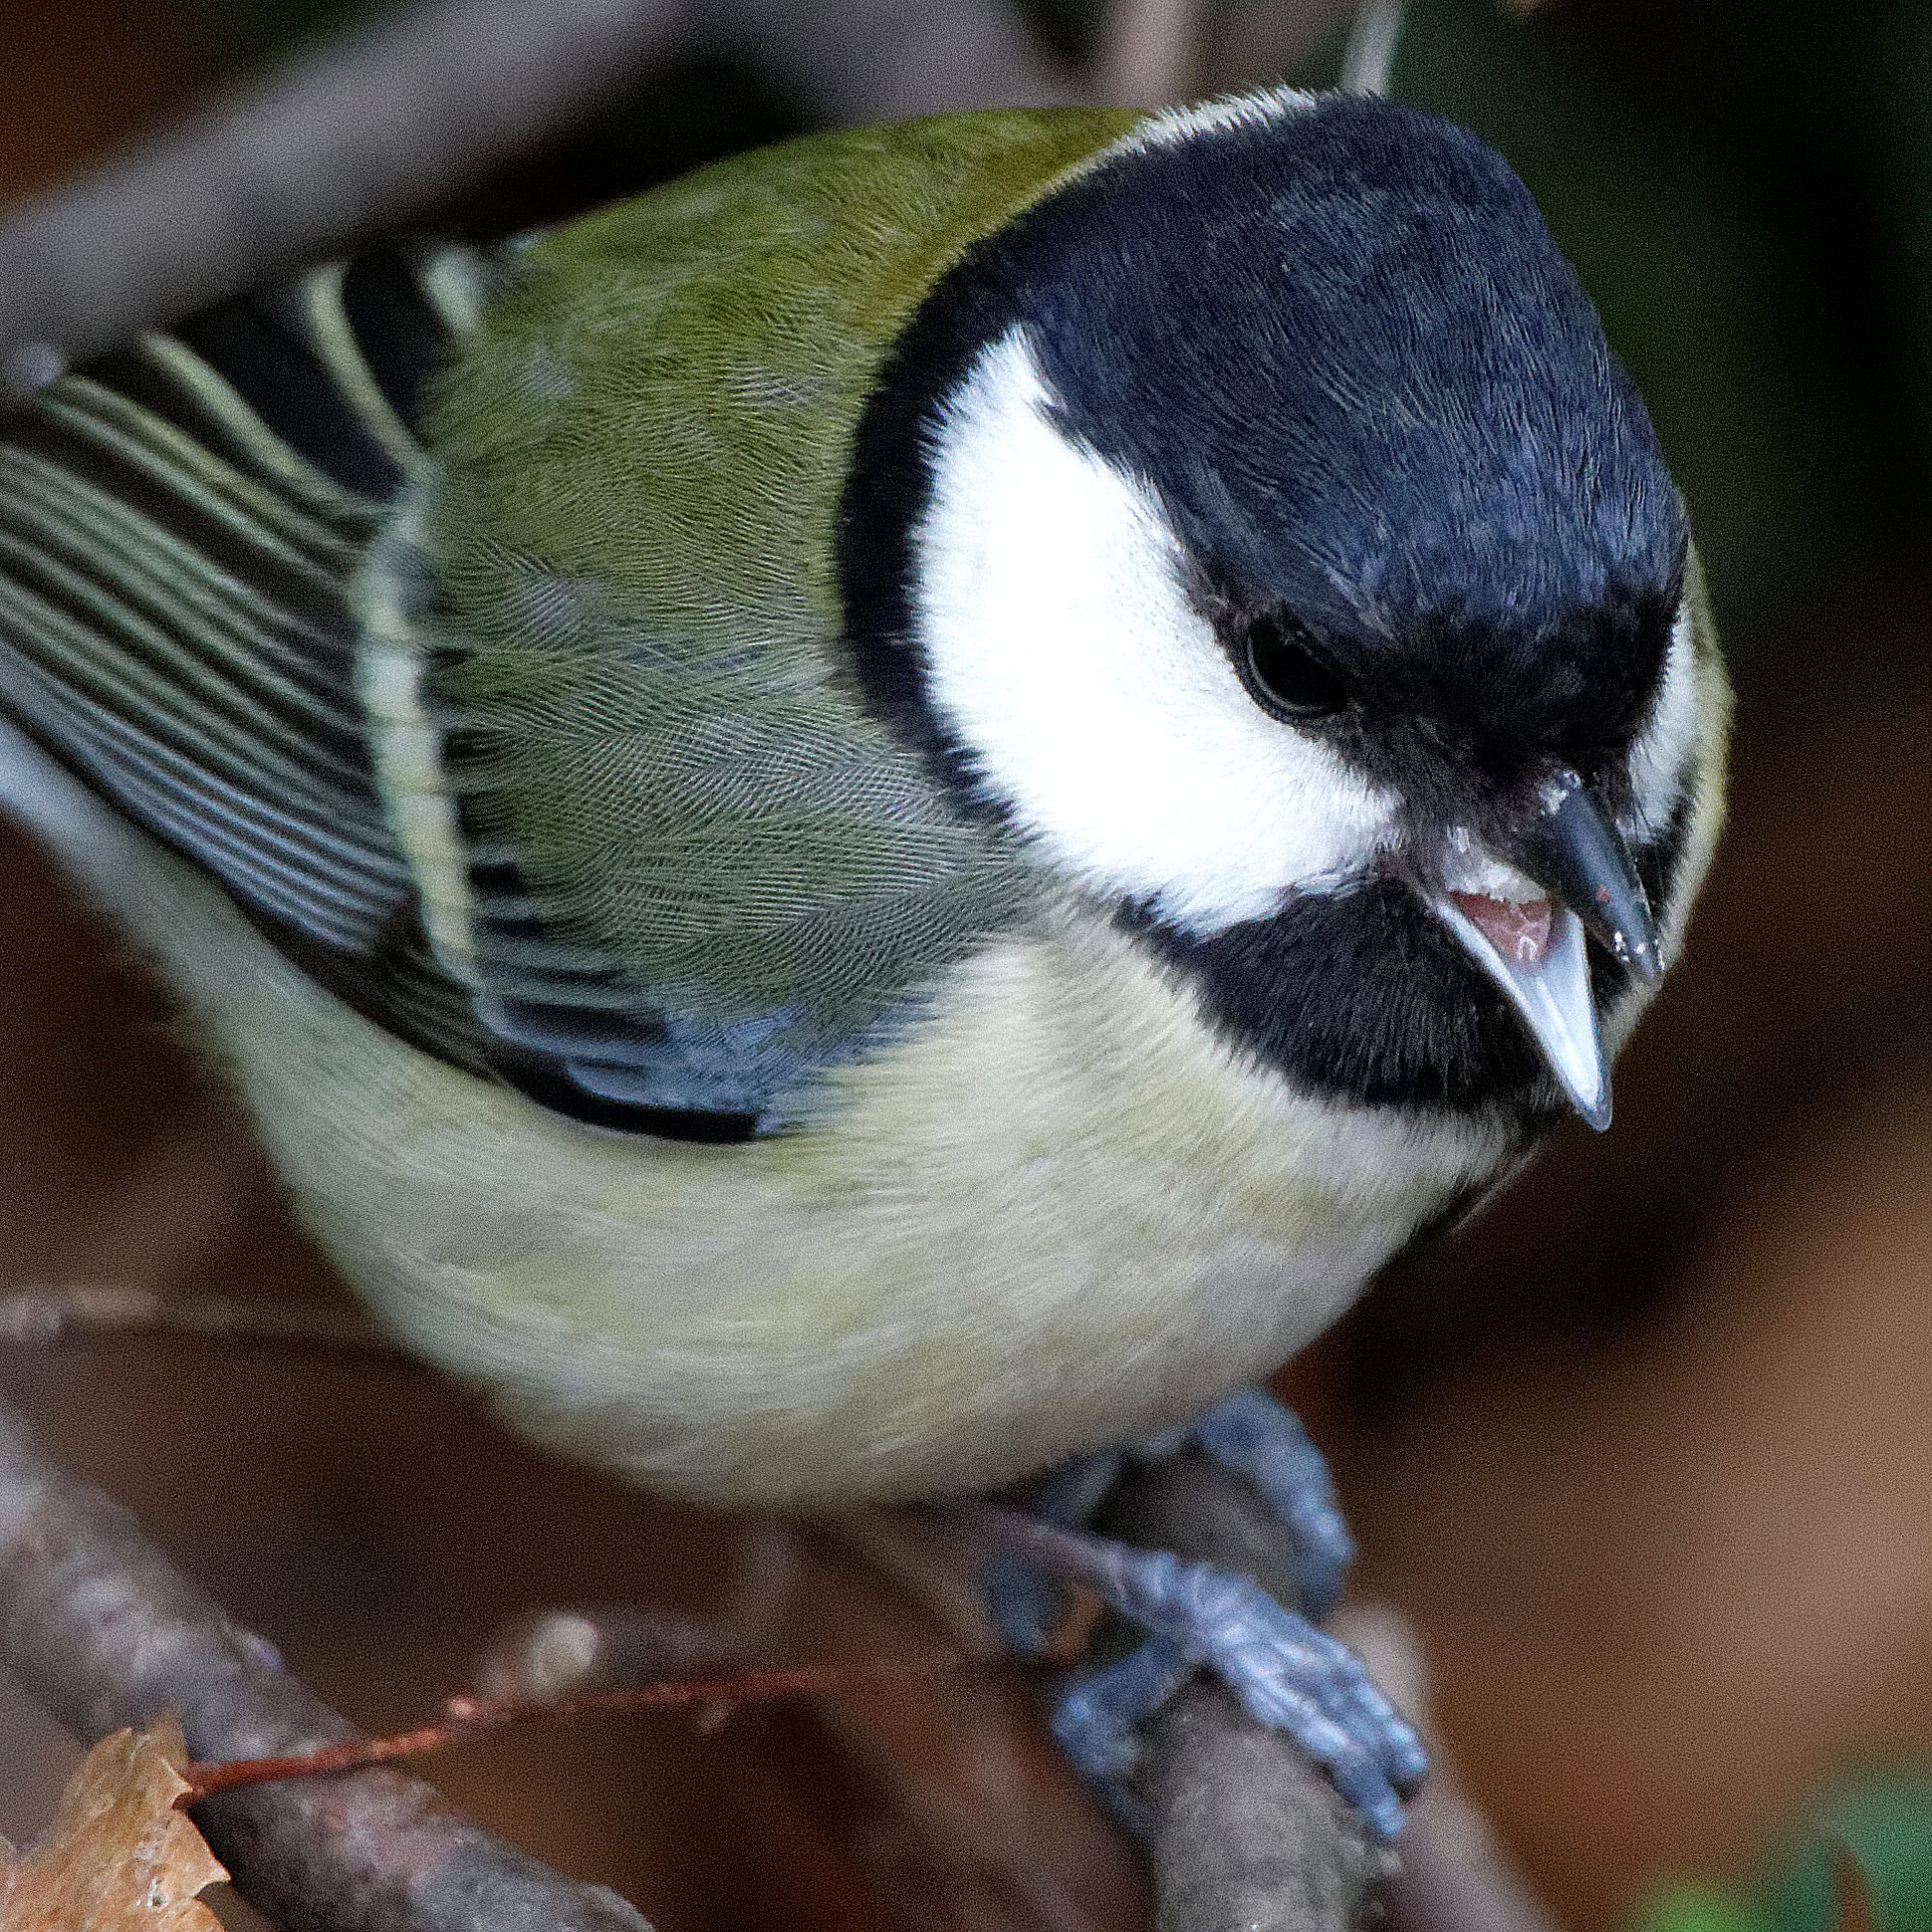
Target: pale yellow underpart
<point>1057,1212</point>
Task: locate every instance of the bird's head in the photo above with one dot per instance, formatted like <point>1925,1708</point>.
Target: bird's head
<point>1261,528</point>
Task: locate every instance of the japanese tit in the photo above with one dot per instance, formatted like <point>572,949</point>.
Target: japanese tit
<point>897,809</point>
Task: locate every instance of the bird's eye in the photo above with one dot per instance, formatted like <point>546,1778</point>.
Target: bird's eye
<point>1284,674</point>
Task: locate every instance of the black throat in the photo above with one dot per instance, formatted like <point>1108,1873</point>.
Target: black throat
<point>1364,995</point>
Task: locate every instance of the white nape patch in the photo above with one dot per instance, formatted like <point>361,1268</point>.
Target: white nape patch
<point>1063,652</point>
<point>1660,759</point>
<point>1231,113</point>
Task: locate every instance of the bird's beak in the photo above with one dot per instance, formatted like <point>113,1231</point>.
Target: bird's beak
<point>1523,920</point>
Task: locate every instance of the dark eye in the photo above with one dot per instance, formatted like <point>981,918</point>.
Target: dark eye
<point>1283,671</point>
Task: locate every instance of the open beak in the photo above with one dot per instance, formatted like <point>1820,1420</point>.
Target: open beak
<point>1523,921</point>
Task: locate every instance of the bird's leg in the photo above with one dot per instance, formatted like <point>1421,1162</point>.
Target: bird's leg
<point>1283,1669</point>
<point>1024,1598</point>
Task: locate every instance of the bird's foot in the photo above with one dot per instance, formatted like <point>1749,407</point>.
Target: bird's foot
<point>1282,1669</point>
<point>1251,1435</point>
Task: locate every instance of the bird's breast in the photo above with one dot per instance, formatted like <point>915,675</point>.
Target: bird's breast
<point>1054,1212</point>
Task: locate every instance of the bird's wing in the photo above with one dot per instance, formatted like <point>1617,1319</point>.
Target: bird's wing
<point>472,622</point>
<point>180,524</point>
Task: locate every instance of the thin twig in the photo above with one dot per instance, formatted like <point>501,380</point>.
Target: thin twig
<point>1368,61</point>
<point>1149,51</point>
<point>42,1317</point>
<point>104,1631</point>
<point>468,1715</point>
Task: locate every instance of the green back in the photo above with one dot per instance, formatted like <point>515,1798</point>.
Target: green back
<point>472,622</point>
<point>641,454</point>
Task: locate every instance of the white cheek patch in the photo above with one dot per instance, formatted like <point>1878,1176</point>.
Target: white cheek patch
<point>1063,654</point>
<point>1660,759</point>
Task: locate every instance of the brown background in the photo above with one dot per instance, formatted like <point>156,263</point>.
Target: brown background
<point>1644,1455</point>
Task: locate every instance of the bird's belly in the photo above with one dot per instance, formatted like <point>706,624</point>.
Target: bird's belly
<point>1055,1213</point>
<point>754,1348</point>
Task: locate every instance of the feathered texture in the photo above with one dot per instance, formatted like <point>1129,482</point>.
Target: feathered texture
<point>541,752</point>
<point>175,551</point>
<point>640,459</point>
<point>537,749</point>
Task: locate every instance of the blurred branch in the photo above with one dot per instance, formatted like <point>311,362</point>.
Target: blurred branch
<point>375,128</point>
<point>1250,42</point>
<point>104,1631</point>
<point>362,132</point>
<point>879,60</point>
<point>925,1872</point>
<point>1454,1875</point>
<point>1149,51</point>
<point>41,1318</point>
<point>1368,61</point>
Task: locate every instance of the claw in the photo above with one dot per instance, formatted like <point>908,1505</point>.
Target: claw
<point>1285,1672</point>
<point>1096,1715</point>
<point>1253,1435</point>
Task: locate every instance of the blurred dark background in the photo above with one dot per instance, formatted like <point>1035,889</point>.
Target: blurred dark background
<point>1644,1454</point>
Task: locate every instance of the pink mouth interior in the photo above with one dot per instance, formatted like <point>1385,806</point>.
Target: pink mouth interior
<point>1518,929</point>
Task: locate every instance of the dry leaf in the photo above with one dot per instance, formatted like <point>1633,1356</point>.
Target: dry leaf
<point>118,1857</point>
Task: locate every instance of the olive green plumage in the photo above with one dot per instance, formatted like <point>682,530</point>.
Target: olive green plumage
<point>640,455</point>
<point>543,652</point>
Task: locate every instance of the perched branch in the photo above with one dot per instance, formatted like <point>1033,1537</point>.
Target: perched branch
<point>1244,1830</point>
<point>104,1631</point>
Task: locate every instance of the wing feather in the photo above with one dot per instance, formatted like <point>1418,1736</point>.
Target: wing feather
<point>472,622</point>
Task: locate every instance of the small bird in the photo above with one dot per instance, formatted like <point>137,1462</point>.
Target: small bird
<point>884,818</point>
